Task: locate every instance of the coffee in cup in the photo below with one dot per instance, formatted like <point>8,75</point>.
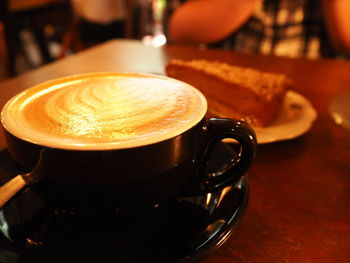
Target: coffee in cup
<point>104,111</point>
<point>125,139</point>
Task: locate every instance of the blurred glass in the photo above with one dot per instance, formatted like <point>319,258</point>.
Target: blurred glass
<point>153,15</point>
<point>339,108</point>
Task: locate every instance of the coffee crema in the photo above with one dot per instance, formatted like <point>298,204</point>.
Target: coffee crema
<point>100,111</point>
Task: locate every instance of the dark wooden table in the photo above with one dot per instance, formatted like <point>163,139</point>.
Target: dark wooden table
<point>300,189</point>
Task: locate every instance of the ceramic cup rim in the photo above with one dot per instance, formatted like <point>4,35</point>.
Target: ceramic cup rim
<point>12,129</point>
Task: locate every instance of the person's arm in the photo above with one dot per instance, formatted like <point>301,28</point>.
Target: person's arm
<point>206,21</point>
<point>337,13</point>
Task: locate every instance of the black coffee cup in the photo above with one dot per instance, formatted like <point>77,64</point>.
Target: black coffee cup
<point>140,176</point>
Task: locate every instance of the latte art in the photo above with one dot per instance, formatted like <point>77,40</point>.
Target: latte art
<point>104,110</point>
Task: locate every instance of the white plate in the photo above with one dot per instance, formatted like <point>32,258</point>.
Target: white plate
<point>295,119</point>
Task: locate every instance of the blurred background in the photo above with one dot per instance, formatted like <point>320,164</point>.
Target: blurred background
<point>36,32</point>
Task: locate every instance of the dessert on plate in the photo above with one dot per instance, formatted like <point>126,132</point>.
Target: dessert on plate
<point>232,91</point>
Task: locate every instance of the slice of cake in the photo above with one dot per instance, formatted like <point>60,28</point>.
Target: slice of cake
<point>234,92</point>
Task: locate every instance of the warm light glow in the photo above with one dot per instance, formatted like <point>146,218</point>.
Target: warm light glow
<point>208,199</point>
<point>337,118</point>
<point>155,41</point>
<point>223,193</point>
<point>159,40</point>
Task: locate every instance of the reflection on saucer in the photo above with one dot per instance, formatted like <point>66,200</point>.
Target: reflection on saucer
<point>184,230</point>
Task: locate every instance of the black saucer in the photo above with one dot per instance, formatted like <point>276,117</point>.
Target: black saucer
<point>183,231</point>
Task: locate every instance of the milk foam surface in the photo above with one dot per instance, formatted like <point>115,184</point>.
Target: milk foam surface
<point>104,111</point>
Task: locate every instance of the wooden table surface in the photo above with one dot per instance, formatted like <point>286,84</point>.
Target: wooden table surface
<point>300,188</point>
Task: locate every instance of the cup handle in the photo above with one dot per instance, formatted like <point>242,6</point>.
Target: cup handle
<point>215,131</point>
